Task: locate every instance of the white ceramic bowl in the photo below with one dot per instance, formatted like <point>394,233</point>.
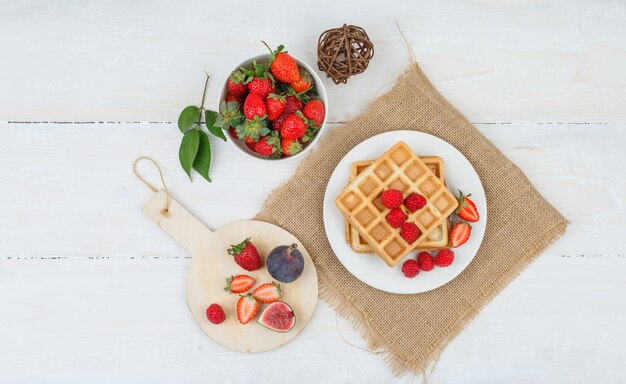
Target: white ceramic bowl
<point>241,146</point>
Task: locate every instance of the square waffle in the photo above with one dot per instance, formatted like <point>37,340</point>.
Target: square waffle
<point>437,239</point>
<point>398,168</point>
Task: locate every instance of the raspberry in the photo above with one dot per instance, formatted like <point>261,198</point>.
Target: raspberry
<point>425,261</point>
<point>409,232</point>
<point>396,218</point>
<point>215,314</point>
<point>415,202</point>
<point>410,268</point>
<point>391,198</point>
<point>444,257</point>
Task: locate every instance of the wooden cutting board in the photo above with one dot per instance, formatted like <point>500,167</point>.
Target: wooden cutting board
<point>211,265</point>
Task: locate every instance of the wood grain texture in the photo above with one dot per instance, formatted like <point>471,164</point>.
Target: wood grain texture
<point>211,266</point>
<point>510,61</point>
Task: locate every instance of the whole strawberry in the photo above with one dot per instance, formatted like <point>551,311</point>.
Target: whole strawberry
<point>283,67</point>
<point>215,314</point>
<point>396,217</point>
<point>303,83</point>
<point>293,127</point>
<point>260,86</point>
<point>246,255</point>
<point>314,110</point>
<point>293,105</point>
<point>236,84</point>
<point>254,106</point>
<point>230,97</point>
<point>290,147</point>
<point>267,146</point>
<point>253,129</point>
<point>444,257</point>
<point>425,261</point>
<point>276,104</point>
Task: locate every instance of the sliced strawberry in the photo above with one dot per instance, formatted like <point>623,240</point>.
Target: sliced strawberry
<point>459,234</point>
<point>467,209</point>
<point>239,283</point>
<point>247,308</point>
<point>267,293</point>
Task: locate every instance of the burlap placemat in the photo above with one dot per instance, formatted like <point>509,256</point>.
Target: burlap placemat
<point>411,330</point>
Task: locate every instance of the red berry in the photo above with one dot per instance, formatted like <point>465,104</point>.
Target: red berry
<point>444,257</point>
<point>230,97</point>
<point>467,209</point>
<point>460,234</point>
<point>233,132</point>
<point>236,84</point>
<point>426,261</point>
<point>303,83</point>
<point>275,106</point>
<point>284,68</point>
<point>246,255</point>
<point>314,110</point>
<point>391,198</point>
<point>264,146</point>
<point>293,105</point>
<point>396,217</point>
<point>409,232</point>
<point>410,268</point>
<point>293,127</point>
<point>290,147</point>
<point>254,106</point>
<point>215,314</point>
<point>415,202</point>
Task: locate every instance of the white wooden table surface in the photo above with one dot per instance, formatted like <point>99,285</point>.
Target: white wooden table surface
<point>92,291</point>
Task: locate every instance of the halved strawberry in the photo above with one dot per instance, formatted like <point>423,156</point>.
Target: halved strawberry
<point>247,308</point>
<point>239,283</point>
<point>467,209</point>
<point>267,293</point>
<point>459,234</point>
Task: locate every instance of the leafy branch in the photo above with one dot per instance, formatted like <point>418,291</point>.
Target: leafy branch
<point>195,147</point>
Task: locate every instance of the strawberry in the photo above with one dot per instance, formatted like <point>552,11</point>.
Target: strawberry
<point>275,106</point>
<point>251,145</point>
<point>409,232</point>
<point>444,258</point>
<point>267,146</point>
<point>261,87</point>
<point>232,132</point>
<point>303,83</point>
<point>467,209</point>
<point>293,105</point>
<point>253,129</point>
<point>246,255</point>
<point>414,202</point>
<point>314,110</point>
<point>239,283</point>
<point>267,293</point>
<point>391,198</point>
<point>254,106</point>
<point>396,217</point>
<point>410,268</point>
<point>215,314</point>
<point>230,97</point>
<point>283,67</point>
<point>290,147</point>
<point>426,261</point>
<point>247,308</point>
<point>460,234</point>
<point>229,116</point>
<point>236,84</point>
<point>294,126</point>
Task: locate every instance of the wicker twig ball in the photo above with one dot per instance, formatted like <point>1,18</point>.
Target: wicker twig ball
<point>343,52</point>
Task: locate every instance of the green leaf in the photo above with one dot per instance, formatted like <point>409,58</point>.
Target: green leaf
<point>202,163</point>
<point>188,117</point>
<point>188,150</point>
<point>209,117</point>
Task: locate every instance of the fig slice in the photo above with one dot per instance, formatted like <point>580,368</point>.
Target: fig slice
<point>278,316</point>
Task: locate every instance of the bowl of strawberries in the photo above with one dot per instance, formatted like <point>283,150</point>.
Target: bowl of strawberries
<point>274,106</point>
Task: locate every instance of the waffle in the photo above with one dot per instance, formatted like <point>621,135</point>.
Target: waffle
<point>398,168</point>
<point>437,239</point>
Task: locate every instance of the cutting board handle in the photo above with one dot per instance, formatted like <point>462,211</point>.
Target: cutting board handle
<point>177,222</point>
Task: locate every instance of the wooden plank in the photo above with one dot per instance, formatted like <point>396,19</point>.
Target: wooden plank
<point>496,61</point>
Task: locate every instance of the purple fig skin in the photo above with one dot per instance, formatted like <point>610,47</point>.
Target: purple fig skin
<point>285,263</point>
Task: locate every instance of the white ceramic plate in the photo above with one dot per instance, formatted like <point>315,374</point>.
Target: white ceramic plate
<point>368,267</point>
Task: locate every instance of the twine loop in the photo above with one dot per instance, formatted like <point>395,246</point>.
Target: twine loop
<point>165,211</point>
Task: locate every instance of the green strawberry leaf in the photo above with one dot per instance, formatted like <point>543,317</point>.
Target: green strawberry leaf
<point>188,150</point>
<point>202,162</point>
<point>210,117</point>
<point>188,118</point>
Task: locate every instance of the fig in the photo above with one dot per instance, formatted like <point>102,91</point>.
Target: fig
<point>278,317</point>
<point>285,263</point>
